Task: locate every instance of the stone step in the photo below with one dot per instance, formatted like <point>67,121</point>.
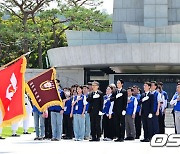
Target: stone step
<point>169,120</point>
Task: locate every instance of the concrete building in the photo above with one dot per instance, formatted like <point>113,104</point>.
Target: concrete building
<point>144,45</point>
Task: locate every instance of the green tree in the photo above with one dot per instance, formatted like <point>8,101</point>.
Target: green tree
<point>44,29</point>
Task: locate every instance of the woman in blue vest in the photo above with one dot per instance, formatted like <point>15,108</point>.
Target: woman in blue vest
<point>130,115</point>
<point>78,111</point>
<point>108,115</point>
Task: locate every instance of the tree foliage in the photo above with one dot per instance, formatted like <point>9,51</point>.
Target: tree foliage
<point>25,25</point>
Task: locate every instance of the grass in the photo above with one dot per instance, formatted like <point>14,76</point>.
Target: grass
<point>7,131</point>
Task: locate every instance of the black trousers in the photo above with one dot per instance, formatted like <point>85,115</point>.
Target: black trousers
<point>147,127</point>
<point>108,127</point>
<point>119,123</point>
<point>161,123</point>
<point>68,125</point>
<point>155,120</point>
<point>48,130</point>
<point>138,125</point>
<point>95,126</point>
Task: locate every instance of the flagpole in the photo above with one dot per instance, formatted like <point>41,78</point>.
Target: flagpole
<point>4,66</point>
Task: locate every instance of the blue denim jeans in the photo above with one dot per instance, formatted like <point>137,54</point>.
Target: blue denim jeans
<point>38,119</point>
<point>87,125</point>
<point>56,124</point>
<point>79,126</point>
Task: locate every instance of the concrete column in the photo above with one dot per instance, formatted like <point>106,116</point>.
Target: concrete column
<point>155,13</point>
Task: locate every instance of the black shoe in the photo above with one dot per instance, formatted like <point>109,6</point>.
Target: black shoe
<point>26,133</point>
<point>41,138</point>
<point>2,138</point>
<point>53,139</point>
<point>98,139</point>
<point>119,140</point>
<point>145,140</point>
<point>127,138</point>
<point>93,140</point>
<point>15,135</point>
<point>137,137</point>
<point>67,138</point>
<point>36,138</point>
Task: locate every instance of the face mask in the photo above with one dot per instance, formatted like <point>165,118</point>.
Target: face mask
<point>67,93</point>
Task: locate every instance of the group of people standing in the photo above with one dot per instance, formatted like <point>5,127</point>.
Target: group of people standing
<point>88,113</point>
<point>118,115</point>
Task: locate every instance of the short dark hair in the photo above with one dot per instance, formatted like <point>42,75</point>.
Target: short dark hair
<point>79,86</point>
<point>110,87</point>
<point>121,80</point>
<point>67,88</point>
<point>89,83</point>
<point>57,80</point>
<point>148,83</point>
<point>160,83</point>
<point>178,82</point>
<point>95,82</point>
<point>155,83</point>
<point>135,86</point>
<point>130,88</point>
<point>85,86</point>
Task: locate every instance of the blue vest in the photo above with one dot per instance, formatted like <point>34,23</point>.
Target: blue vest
<point>67,107</point>
<point>78,107</point>
<point>57,108</point>
<point>138,97</point>
<point>177,106</point>
<point>165,95</point>
<point>155,101</point>
<point>130,106</point>
<point>107,105</point>
<point>36,110</point>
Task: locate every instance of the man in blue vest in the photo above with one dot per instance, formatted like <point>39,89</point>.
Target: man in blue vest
<point>157,104</point>
<point>138,125</point>
<point>164,97</point>
<point>130,115</point>
<point>176,103</point>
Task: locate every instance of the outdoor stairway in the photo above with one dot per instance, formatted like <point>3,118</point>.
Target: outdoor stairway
<point>169,121</point>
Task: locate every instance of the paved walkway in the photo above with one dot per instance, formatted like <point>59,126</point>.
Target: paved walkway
<point>26,145</point>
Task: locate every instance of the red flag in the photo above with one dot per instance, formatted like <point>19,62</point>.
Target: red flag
<point>43,90</point>
<point>12,89</point>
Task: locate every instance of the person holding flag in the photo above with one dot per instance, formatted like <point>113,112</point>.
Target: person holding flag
<point>45,94</point>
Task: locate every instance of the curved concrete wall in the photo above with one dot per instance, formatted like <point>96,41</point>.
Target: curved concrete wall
<point>115,54</point>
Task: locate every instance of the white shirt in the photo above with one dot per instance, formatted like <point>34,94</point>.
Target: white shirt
<point>164,105</point>
<point>119,89</point>
<point>147,93</point>
<point>84,100</point>
<point>173,102</point>
<point>158,97</point>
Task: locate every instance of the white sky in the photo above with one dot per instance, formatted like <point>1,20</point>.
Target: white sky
<point>107,5</point>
